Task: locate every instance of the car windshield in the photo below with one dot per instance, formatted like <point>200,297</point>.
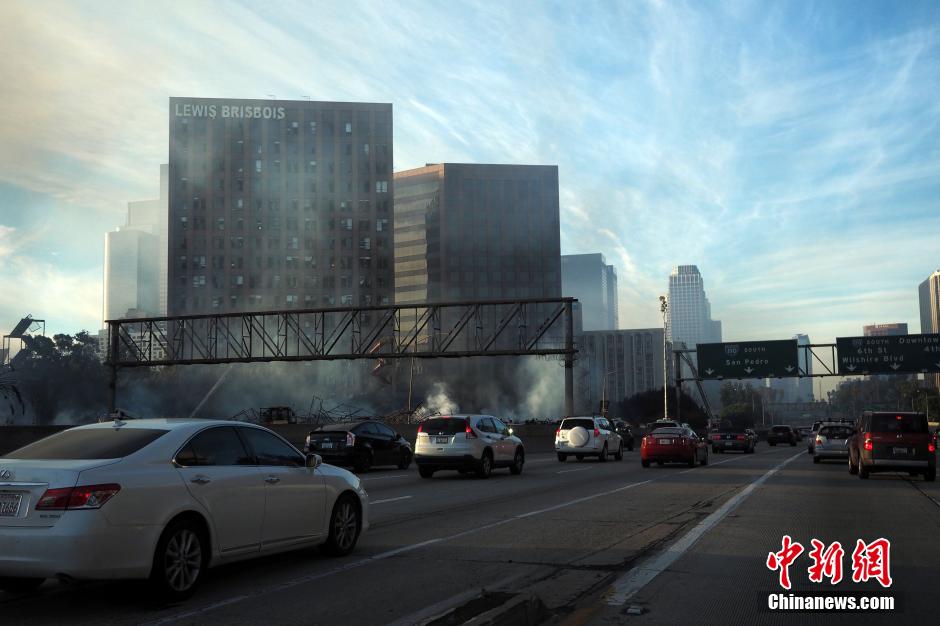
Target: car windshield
<point>667,431</point>
<point>586,422</point>
<point>89,443</point>
<point>444,425</point>
<point>891,423</point>
<point>836,432</point>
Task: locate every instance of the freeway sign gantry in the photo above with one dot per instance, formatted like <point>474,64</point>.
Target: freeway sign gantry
<point>748,359</point>
<point>890,354</point>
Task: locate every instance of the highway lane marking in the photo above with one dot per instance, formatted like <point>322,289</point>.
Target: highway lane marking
<point>390,500</point>
<point>290,584</point>
<point>633,581</point>
<point>580,469</point>
<point>384,477</point>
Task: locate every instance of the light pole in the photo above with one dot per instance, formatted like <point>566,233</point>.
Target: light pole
<point>663,307</point>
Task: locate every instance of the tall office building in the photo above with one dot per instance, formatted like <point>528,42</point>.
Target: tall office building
<point>615,365</point>
<point>131,273</point>
<point>476,232</point>
<point>588,278</point>
<point>689,311</point>
<point>929,296</point>
<point>151,216</point>
<point>277,204</point>
<point>791,390</point>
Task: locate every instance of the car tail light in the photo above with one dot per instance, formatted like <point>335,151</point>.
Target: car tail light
<point>597,432</point>
<point>421,428</point>
<point>716,437</point>
<point>350,440</point>
<point>469,431</point>
<point>71,498</point>
<point>819,440</point>
<point>741,437</point>
<point>868,444</point>
<point>931,448</point>
<point>557,432</point>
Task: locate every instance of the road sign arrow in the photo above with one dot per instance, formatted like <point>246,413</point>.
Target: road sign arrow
<point>748,369</point>
<point>895,366</point>
<point>709,371</point>
<point>789,368</point>
<point>851,368</point>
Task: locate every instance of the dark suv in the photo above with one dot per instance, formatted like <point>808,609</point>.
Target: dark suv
<point>782,434</point>
<point>893,441</point>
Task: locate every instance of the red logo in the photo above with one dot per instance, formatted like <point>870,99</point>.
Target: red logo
<point>872,560</point>
<point>826,563</point>
<point>783,559</point>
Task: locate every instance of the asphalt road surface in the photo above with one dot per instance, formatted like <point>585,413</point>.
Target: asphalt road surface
<point>601,543</point>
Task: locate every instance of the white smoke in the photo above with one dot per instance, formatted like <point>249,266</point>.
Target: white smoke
<point>437,402</point>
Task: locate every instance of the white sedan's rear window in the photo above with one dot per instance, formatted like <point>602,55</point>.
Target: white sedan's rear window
<point>88,444</point>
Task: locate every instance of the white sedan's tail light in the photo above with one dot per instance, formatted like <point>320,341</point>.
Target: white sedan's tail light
<point>72,498</point>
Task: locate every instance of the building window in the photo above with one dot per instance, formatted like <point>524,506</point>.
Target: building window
<point>381,224</point>
<point>381,186</point>
<point>346,300</point>
<point>349,128</point>
<point>291,300</point>
<point>199,280</point>
<point>365,243</point>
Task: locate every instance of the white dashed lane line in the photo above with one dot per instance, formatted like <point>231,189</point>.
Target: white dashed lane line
<point>390,500</point>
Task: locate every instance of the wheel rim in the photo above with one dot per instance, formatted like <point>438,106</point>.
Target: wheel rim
<point>345,524</point>
<point>519,460</point>
<point>486,464</point>
<point>183,558</point>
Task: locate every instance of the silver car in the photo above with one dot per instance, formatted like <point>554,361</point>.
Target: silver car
<point>830,442</point>
<point>166,500</point>
<point>467,443</point>
<point>587,436</point>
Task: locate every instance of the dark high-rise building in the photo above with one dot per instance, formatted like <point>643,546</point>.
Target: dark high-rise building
<point>276,204</point>
<point>929,300</point>
<point>588,278</point>
<point>476,232</point>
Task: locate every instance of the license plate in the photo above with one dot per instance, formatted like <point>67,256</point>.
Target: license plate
<point>10,504</point>
<point>443,440</point>
<point>729,443</point>
<point>897,450</point>
<point>665,442</point>
<point>326,445</point>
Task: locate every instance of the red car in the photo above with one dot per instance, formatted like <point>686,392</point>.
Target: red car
<point>673,445</point>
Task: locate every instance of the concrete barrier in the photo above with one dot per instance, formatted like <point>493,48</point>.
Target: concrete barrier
<point>537,438</point>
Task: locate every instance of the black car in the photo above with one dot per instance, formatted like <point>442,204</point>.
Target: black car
<point>730,438</point>
<point>782,434</point>
<point>623,429</point>
<point>360,444</point>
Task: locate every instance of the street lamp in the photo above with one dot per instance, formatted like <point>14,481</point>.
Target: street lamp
<point>663,307</point>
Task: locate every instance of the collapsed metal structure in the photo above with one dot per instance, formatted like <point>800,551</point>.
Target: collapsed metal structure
<point>524,327</point>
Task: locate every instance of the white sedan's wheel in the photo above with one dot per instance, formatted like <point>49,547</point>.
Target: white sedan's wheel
<point>180,560</point>
<point>344,527</point>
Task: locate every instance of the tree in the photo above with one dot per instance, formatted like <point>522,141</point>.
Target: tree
<point>647,406</point>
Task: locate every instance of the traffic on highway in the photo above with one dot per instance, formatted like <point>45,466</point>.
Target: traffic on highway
<point>166,521</point>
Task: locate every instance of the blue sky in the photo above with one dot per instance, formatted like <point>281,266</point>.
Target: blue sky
<point>789,149</point>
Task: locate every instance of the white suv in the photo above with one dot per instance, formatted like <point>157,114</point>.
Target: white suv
<point>467,443</point>
<point>587,436</point>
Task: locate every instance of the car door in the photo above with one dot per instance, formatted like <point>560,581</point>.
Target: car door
<point>491,438</point>
<point>221,475</point>
<point>369,438</point>
<point>609,435</point>
<point>295,499</point>
<point>507,446</point>
<point>393,443</point>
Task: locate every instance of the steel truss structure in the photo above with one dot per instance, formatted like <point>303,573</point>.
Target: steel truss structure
<point>525,327</point>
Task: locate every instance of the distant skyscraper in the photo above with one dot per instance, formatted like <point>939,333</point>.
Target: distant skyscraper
<point>131,273</point>
<point>277,204</point>
<point>151,216</point>
<point>588,278</point>
<point>617,364</point>
<point>929,292</point>
<point>884,330</point>
<point>796,389</point>
<point>476,232</point>
<point>689,311</point>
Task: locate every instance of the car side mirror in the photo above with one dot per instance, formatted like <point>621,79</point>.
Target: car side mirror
<point>314,460</point>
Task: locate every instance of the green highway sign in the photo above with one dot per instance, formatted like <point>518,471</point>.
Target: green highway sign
<point>748,359</point>
<point>901,354</point>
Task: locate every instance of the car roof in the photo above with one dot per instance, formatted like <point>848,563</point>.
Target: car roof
<point>162,423</point>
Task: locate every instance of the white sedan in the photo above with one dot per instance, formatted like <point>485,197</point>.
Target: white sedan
<point>166,500</point>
